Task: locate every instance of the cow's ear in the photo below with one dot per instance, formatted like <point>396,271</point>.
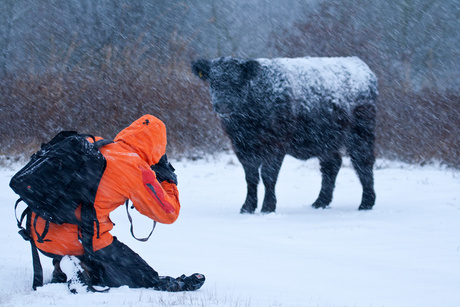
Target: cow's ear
<point>251,68</point>
<point>201,69</point>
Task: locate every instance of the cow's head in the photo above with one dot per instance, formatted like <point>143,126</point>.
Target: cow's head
<point>229,80</point>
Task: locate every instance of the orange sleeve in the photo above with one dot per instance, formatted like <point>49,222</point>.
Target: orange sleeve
<point>159,202</point>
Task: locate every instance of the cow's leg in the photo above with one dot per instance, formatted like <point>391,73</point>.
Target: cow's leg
<point>251,171</point>
<point>364,168</point>
<point>270,171</point>
<point>361,150</point>
<point>330,166</point>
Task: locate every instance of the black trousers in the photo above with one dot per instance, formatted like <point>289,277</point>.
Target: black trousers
<point>117,265</point>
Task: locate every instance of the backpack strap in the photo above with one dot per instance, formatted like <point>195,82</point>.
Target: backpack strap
<point>38,271</point>
<point>22,231</point>
<point>103,142</point>
<point>41,237</point>
<point>97,144</point>
<point>26,235</point>
<point>88,220</point>
<point>132,227</point>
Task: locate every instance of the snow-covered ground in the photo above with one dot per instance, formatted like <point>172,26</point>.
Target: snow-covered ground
<point>405,252</point>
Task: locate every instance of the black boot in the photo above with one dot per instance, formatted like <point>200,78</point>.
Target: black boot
<point>78,277</point>
<point>58,275</point>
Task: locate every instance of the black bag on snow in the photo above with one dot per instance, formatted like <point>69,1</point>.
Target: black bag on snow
<point>63,174</point>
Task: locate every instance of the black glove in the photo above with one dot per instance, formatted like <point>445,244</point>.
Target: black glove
<point>164,170</point>
<point>192,282</point>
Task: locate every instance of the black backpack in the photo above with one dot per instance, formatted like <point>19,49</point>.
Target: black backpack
<point>63,174</point>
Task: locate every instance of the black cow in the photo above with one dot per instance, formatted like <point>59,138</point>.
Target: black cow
<point>304,107</point>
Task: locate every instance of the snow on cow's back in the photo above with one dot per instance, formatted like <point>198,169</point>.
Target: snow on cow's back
<point>341,80</point>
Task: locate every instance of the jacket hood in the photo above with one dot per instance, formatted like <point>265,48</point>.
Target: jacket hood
<point>147,137</point>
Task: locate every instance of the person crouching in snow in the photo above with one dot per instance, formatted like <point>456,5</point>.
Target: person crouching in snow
<point>138,170</point>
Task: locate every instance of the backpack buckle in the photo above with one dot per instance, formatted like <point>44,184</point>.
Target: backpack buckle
<point>24,234</point>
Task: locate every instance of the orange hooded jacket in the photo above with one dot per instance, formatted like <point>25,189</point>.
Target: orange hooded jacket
<point>127,176</point>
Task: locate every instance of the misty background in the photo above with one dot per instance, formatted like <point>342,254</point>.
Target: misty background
<point>96,66</point>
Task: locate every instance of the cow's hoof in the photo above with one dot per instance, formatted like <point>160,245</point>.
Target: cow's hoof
<point>246,209</point>
<point>267,211</point>
<point>318,204</point>
<point>365,207</point>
